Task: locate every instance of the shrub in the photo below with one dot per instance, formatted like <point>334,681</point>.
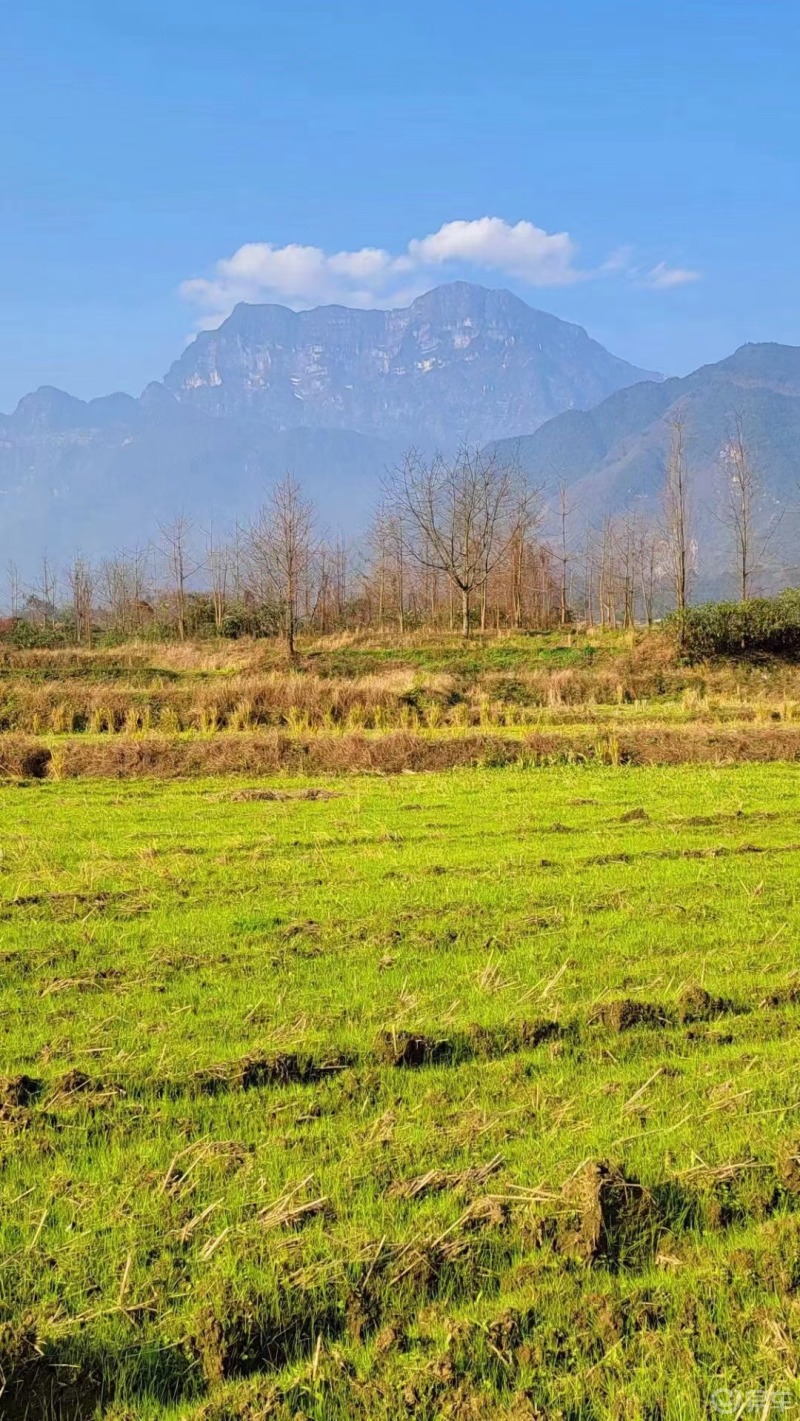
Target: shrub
<point>241,621</point>
<point>25,636</point>
<point>765,625</point>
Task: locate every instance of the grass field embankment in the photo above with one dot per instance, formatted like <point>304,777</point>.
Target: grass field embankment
<point>351,704</point>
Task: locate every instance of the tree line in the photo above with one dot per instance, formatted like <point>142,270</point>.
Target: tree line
<point>456,542</point>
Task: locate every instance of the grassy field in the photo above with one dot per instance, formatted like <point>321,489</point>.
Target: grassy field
<point>352,704</point>
<point>355,684</point>
<point>463,1095</point>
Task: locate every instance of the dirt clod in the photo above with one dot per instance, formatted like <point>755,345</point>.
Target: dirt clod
<point>789,1169</point>
<point>240,1336</point>
<point>487,1213</point>
<point>18,1091</point>
<point>696,1004</point>
<point>403,1048</point>
<point>611,1219</point>
<point>496,1041</point>
<point>625,1013</point>
<point>254,1072</point>
<point>36,762</point>
<point>247,796</point>
<point>35,1382</point>
<point>75,1082</point>
<point>710,1038</point>
<point>390,1339</point>
<point>436,1180</point>
<point>505,1333</point>
<point>783,997</point>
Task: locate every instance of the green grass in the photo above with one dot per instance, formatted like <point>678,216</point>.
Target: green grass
<point>453,656</point>
<point>157,938</point>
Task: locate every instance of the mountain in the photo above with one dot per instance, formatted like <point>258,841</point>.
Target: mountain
<point>334,394</point>
<point>103,475</point>
<point>337,394</point>
<point>613,457</point>
<point>461,362</point>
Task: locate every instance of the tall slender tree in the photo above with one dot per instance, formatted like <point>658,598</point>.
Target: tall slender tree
<point>181,564</point>
<point>677,517</point>
<point>280,545</point>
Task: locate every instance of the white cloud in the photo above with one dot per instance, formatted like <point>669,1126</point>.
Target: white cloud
<point>300,277</point>
<point>529,253</point>
<point>663,277</point>
<point>304,276</point>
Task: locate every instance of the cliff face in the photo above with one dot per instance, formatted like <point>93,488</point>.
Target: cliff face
<point>460,363</point>
<point>333,394</point>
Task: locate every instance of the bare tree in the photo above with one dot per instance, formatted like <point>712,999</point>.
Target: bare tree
<point>459,513</point>
<point>181,566</point>
<point>520,565</point>
<point>589,573</point>
<point>651,558</point>
<point>81,580</point>
<point>331,585</point>
<point>14,589</point>
<point>741,510</point>
<point>565,511</point>
<point>397,541</point>
<point>124,583</point>
<point>46,590</point>
<point>280,549</point>
<point>517,551</point>
<point>324,588</point>
<point>678,517</point>
<point>218,564</point>
<point>625,540</point>
<point>379,552</point>
<point>607,576</point>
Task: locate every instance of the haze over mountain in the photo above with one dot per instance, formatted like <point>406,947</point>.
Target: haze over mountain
<point>613,457</point>
<point>460,362</point>
<point>335,394</point>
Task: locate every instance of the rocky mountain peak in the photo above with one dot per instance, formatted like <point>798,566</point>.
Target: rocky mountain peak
<point>461,361</point>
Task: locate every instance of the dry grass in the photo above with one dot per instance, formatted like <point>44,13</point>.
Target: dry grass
<point>147,699</point>
<point>357,703</point>
<point>395,752</point>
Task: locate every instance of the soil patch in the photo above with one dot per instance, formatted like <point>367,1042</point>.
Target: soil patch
<point>610,1219</point>
<point>246,796</point>
<point>624,1014</point>
<point>696,1004</point>
<point>254,1072</point>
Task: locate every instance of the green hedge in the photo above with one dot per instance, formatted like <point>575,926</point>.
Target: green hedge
<point>764,624</point>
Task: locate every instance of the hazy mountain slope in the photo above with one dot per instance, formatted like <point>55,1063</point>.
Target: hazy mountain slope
<point>333,394</point>
<point>613,457</point>
<point>460,362</point>
<point>78,476</point>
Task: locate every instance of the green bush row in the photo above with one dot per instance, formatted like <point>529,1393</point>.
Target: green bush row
<point>762,625</point>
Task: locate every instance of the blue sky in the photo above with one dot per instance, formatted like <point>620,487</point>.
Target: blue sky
<point>650,151</point>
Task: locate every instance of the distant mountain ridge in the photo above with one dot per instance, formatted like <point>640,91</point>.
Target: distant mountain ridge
<point>334,393</point>
<point>461,362</point>
<point>101,474</point>
<point>613,457</point>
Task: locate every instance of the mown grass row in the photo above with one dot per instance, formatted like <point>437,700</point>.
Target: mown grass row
<point>417,708</point>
